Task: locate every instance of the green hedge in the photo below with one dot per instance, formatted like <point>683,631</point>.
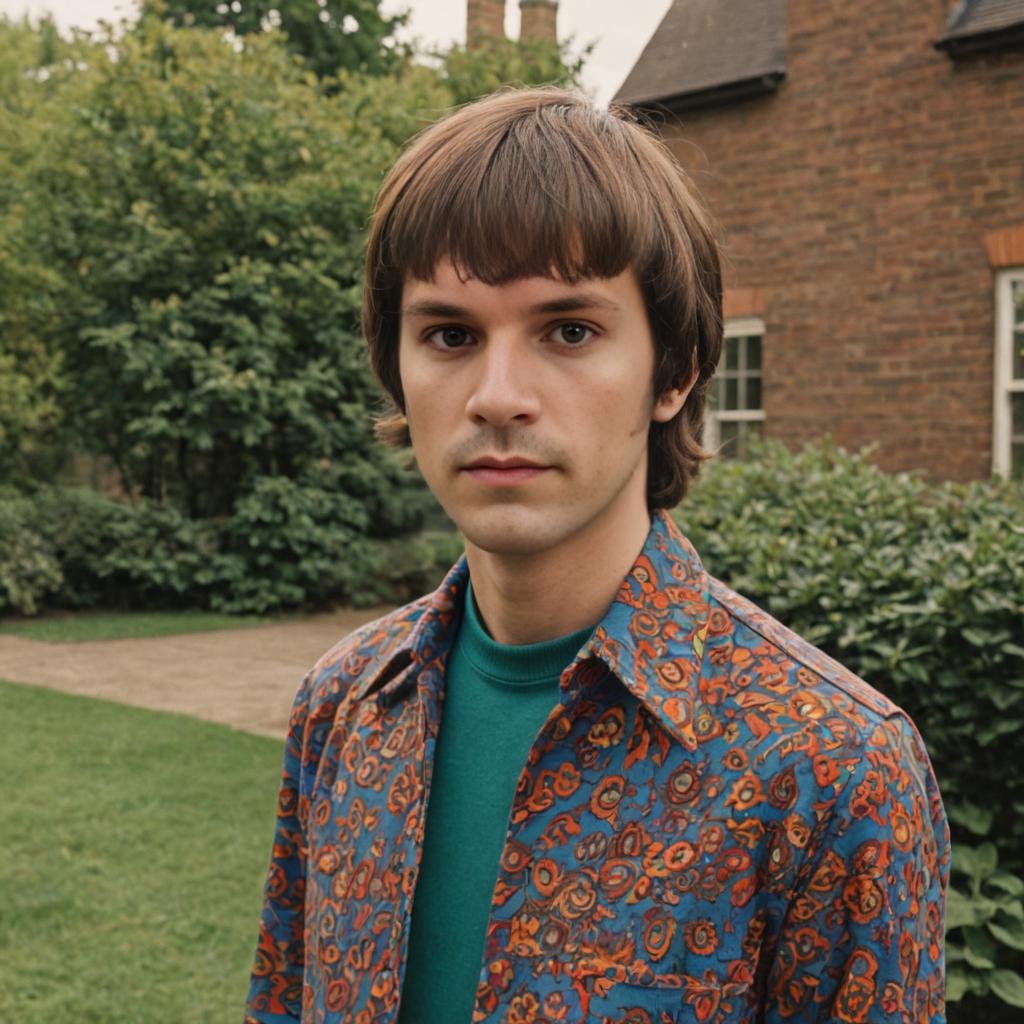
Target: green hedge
<point>114,555</point>
<point>287,546</point>
<point>29,568</point>
<point>919,589</point>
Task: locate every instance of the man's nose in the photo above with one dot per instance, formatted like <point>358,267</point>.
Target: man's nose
<point>505,388</point>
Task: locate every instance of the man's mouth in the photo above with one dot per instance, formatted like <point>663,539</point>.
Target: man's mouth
<point>490,470</point>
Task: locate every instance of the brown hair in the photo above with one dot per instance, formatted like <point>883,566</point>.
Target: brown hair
<point>539,182</point>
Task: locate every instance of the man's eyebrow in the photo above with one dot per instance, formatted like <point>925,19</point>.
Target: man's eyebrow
<point>428,307</point>
<point>574,302</point>
<point>565,304</point>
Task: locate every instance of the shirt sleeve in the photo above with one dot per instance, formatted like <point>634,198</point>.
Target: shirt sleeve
<point>863,939</point>
<point>275,990</point>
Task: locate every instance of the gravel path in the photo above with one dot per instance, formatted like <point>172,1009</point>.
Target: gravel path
<point>244,678</point>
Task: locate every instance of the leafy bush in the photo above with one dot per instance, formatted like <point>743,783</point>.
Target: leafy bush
<point>405,568</point>
<point>982,924</point>
<point>920,590</point>
<point>118,556</point>
<point>29,568</point>
<point>289,545</point>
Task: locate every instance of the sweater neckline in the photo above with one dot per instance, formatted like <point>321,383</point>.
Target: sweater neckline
<point>515,664</point>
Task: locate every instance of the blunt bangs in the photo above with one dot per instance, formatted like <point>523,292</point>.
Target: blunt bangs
<point>523,199</point>
<point>540,183</point>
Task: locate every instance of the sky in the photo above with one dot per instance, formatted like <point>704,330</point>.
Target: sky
<point>619,37</point>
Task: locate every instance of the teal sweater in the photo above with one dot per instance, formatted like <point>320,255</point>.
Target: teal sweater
<point>497,696</point>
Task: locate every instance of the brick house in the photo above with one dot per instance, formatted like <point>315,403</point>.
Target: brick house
<point>865,165</point>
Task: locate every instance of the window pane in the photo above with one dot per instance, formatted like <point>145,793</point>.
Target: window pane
<point>754,353</point>
<point>734,437</point>
<point>1017,435</point>
<point>1017,341</point>
<point>737,387</point>
<point>746,431</point>
<point>741,440</point>
<point>732,353</point>
<point>727,434</point>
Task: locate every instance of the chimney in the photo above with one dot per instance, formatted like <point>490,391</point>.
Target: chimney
<point>485,19</point>
<point>538,19</point>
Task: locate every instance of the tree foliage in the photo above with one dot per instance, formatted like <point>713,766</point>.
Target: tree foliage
<point>206,229</point>
<point>469,74</point>
<point>35,65</point>
<point>328,34</point>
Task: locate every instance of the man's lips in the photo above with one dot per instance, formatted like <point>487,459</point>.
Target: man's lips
<point>504,471</point>
<point>491,463</point>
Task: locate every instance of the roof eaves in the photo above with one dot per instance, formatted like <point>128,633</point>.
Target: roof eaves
<point>711,96</point>
<point>957,44</point>
<point>977,25</point>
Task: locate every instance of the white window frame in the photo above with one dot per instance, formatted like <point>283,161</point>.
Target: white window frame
<point>735,327</point>
<point>1005,384</point>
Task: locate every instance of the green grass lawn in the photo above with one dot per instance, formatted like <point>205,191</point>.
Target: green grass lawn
<point>82,626</point>
<point>135,845</point>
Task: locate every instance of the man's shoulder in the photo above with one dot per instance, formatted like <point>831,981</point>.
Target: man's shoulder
<point>362,653</point>
<point>792,697</point>
<point>750,626</point>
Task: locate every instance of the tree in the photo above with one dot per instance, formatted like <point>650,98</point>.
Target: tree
<point>35,65</point>
<point>328,34</point>
<point>202,212</point>
<point>469,74</point>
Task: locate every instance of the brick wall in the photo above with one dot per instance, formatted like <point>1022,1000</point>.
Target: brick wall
<point>484,19</point>
<point>538,19</point>
<point>855,203</point>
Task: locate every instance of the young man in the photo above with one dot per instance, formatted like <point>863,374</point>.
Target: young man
<point>583,780</point>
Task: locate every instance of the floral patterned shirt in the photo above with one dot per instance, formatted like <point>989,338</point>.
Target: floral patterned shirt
<point>716,823</point>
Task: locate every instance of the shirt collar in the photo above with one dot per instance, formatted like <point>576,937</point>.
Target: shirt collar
<point>651,637</point>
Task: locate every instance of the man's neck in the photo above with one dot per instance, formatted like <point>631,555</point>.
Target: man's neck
<point>526,599</point>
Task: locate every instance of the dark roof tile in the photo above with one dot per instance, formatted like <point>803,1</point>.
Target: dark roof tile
<point>706,45</point>
<point>973,17</point>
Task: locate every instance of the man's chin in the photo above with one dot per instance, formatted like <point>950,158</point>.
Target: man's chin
<point>509,531</point>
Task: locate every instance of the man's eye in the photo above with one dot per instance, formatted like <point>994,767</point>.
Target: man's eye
<point>572,334</point>
<point>448,337</point>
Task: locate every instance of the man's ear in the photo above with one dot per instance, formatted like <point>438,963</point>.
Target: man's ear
<point>668,405</point>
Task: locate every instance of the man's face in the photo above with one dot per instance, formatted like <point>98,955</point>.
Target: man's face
<point>537,370</point>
